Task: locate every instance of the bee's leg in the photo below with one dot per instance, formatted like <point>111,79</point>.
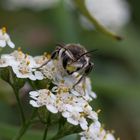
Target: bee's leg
<point>65,61</point>
<point>89,68</point>
<point>86,72</point>
<point>81,78</point>
<point>53,56</point>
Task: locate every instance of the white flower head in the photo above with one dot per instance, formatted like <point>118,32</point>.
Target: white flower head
<point>92,132</point>
<point>5,39</point>
<point>76,117</point>
<point>96,132</point>
<point>110,13</point>
<point>84,89</point>
<point>43,97</point>
<point>49,70</point>
<point>40,60</point>
<point>8,60</point>
<point>25,69</point>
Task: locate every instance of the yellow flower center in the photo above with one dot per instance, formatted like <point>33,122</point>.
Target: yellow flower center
<point>28,62</point>
<point>24,70</point>
<point>3,30</point>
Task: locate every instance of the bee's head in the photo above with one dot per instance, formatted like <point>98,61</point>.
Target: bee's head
<point>73,58</point>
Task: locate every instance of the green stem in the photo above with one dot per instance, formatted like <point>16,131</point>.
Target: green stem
<point>45,132</point>
<point>20,106</point>
<point>25,127</point>
<point>46,127</point>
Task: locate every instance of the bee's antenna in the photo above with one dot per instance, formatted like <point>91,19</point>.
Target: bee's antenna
<point>60,45</point>
<point>86,53</point>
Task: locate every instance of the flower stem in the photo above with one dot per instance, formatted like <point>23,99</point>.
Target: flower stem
<point>25,127</point>
<point>23,120</point>
<point>45,133</point>
<point>46,127</point>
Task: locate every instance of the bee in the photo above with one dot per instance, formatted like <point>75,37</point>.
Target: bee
<point>74,58</point>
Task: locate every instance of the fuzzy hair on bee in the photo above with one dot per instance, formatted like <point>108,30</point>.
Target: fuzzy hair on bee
<point>74,58</point>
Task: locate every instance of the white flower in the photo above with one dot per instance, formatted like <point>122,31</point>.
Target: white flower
<point>24,67</point>
<point>43,98</point>
<point>76,117</point>
<point>65,81</point>
<point>72,107</point>
<point>7,60</point>
<point>14,58</point>
<point>96,132</point>
<point>49,70</point>
<point>40,60</point>
<point>110,13</point>
<point>88,111</point>
<point>18,55</point>
<point>92,132</point>
<point>84,89</point>
<point>5,39</point>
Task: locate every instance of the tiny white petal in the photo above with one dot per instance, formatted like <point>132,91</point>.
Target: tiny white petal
<point>84,126</point>
<point>66,114</point>
<point>39,75</point>
<point>72,121</point>
<point>11,44</point>
<point>34,93</point>
<point>51,108</point>
<point>93,95</point>
<point>34,103</point>
<point>2,43</point>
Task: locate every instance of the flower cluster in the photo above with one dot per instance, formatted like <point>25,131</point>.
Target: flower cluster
<point>63,96</point>
<point>23,65</point>
<point>72,103</point>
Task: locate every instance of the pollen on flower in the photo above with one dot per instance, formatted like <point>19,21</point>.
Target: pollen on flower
<point>48,56</point>
<point>64,89</point>
<point>19,49</point>
<point>4,30</point>
<point>83,86</point>
<point>24,70</point>
<point>86,105</point>
<point>82,114</point>
<point>20,52</point>
<point>28,62</point>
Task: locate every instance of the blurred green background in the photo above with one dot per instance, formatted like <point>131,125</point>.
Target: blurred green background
<point>115,78</point>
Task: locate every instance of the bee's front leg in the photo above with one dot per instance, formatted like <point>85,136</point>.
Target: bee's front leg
<point>87,70</point>
<point>54,54</point>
